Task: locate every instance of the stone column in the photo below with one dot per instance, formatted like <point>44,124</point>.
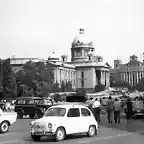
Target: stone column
<point>108,79</point>
<point>137,78</point>
<point>124,76</point>
<point>101,77</point>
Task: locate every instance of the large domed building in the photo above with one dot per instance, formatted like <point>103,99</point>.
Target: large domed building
<point>86,69</point>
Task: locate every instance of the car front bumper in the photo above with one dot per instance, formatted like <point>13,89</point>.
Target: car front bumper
<point>41,132</point>
<point>138,112</point>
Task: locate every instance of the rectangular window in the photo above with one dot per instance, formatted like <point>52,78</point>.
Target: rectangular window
<point>73,112</point>
<point>82,75</point>
<point>85,112</point>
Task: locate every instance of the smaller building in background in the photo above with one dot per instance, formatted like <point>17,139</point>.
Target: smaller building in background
<point>63,72</point>
<point>17,63</point>
<point>131,72</point>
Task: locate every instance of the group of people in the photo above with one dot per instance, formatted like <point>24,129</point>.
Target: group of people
<point>7,106</point>
<point>113,108</point>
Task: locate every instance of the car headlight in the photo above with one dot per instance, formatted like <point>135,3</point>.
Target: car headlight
<point>49,125</point>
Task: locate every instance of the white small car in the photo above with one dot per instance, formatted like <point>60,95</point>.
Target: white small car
<point>62,120</point>
<point>6,119</point>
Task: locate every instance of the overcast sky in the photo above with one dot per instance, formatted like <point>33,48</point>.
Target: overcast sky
<point>36,28</point>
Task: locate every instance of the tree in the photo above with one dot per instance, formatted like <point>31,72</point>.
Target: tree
<point>31,73</point>
<point>9,80</point>
<point>99,88</point>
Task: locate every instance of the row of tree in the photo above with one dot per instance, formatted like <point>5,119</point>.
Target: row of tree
<point>37,76</point>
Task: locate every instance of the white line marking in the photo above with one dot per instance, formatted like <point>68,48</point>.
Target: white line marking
<point>103,138</point>
<point>9,142</point>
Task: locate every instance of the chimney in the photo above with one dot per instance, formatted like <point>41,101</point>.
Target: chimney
<point>81,31</point>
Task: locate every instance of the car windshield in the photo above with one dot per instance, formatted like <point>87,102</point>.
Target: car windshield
<point>58,112</point>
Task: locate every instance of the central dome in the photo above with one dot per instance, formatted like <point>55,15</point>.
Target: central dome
<point>82,40</point>
<point>53,57</point>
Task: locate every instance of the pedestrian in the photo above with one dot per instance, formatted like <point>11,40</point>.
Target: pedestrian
<point>109,109</point>
<point>96,107</point>
<point>129,110</point>
<point>89,103</point>
<point>117,108</point>
<point>7,106</point>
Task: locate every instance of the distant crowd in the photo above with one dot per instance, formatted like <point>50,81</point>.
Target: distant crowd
<point>112,107</point>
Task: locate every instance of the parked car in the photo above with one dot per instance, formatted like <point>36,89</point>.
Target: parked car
<point>6,120</point>
<point>62,120</point>
<point>138,108</point>
<point>35,107</point>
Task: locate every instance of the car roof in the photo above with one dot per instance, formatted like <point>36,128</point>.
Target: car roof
<point>29,98</point>
<point>70,105</point>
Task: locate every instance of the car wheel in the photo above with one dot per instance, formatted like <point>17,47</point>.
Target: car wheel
<point>19,114</point>
<point>60,134</point>
<point>31,115</point>
<point>4,127</point>
<point>38,114</point>
<point>92,131</point>
<point>36,138</point>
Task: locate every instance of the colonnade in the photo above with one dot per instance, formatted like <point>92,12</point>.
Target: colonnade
<point>105,77</point>
<point>131,77</point>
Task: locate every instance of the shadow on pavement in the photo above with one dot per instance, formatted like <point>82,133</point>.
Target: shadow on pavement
<point>136,125</point>
<point>52,139</point>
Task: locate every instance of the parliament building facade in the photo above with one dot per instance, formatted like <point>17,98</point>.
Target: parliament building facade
<point>85,70</point>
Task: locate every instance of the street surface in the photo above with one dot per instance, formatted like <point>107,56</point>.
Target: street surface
<point>108,134</point>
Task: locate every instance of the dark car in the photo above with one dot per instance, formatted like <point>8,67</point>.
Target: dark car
<point>35,107</point>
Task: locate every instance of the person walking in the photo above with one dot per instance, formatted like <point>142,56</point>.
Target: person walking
<point>96,108</point>
<point>129,110</point>
<point>109,109</point>
<point>89,103</point>
<point>117,108</point>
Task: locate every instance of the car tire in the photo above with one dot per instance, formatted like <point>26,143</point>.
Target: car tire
<point>19,114</point>
<point>4,127</point>
<point>60,134</point>
<point>38,114</point>
<point>36,138</point>
<point>31,115</point>
<point>92,131</point>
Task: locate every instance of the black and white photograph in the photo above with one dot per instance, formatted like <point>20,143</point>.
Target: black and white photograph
<point>72,71</point>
